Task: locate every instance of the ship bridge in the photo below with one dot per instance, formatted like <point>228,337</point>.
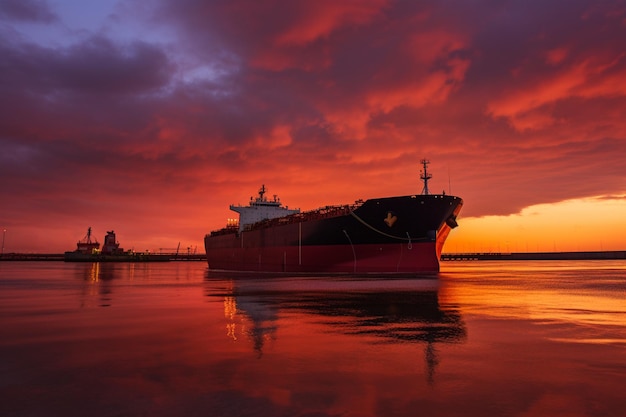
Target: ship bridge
<point>261,208</point>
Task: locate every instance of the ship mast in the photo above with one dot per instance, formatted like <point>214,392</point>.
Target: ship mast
<point>87,238</point>
<point>425,176</point>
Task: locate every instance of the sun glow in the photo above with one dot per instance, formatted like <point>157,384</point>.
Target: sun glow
<point>590,224</point>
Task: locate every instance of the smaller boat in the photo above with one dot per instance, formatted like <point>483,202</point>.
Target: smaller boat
<point>88,250</point>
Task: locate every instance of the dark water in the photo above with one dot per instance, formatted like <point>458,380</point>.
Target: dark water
<point>484,339</point>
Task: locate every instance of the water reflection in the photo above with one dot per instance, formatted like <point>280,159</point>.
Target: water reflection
<point>377,311</point>
<point>98,278</point>
<point>483,339</point>
<point>557,292</point>
<point>97,271</point>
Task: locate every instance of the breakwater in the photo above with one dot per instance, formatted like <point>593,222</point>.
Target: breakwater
<point>533,256</point>
<point>61,257</point>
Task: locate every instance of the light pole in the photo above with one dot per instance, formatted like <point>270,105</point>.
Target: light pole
<point>4,233</point>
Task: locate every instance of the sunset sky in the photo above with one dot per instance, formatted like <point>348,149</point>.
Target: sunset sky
<point>150,117</point>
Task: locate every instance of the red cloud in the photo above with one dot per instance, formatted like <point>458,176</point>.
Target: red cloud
<point>325,102</point>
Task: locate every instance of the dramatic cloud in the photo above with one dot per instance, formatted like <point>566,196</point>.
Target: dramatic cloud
<point>26,11</point>
<point>165,112</point>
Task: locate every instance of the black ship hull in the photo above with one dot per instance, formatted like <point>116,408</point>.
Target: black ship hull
<point>386,235</point>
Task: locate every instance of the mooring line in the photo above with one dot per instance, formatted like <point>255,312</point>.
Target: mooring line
<point>383,233</point>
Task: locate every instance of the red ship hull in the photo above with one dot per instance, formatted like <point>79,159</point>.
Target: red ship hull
<point>388,258</point>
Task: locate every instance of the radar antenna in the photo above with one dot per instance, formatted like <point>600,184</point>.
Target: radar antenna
<point>425,176</point>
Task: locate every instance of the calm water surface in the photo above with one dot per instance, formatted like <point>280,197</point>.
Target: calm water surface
<point>482,339</point>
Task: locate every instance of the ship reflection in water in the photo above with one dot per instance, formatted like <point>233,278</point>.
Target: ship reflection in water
<point>97,277</point>
<point>371,311</point>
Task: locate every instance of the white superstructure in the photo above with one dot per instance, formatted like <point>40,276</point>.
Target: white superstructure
<point>261,208</point>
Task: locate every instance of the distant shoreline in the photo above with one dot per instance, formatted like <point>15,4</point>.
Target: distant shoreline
<point>534,256</point>
<point>61,257</point>
<point>445,257</point>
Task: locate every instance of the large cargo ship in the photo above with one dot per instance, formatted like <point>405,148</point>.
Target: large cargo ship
<point>390,235</point>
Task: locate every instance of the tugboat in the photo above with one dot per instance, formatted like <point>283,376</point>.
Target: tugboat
<point>89,251</point>
<point>388,235</point>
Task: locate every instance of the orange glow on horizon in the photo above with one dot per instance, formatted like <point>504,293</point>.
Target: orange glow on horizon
<point>590,224</point>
